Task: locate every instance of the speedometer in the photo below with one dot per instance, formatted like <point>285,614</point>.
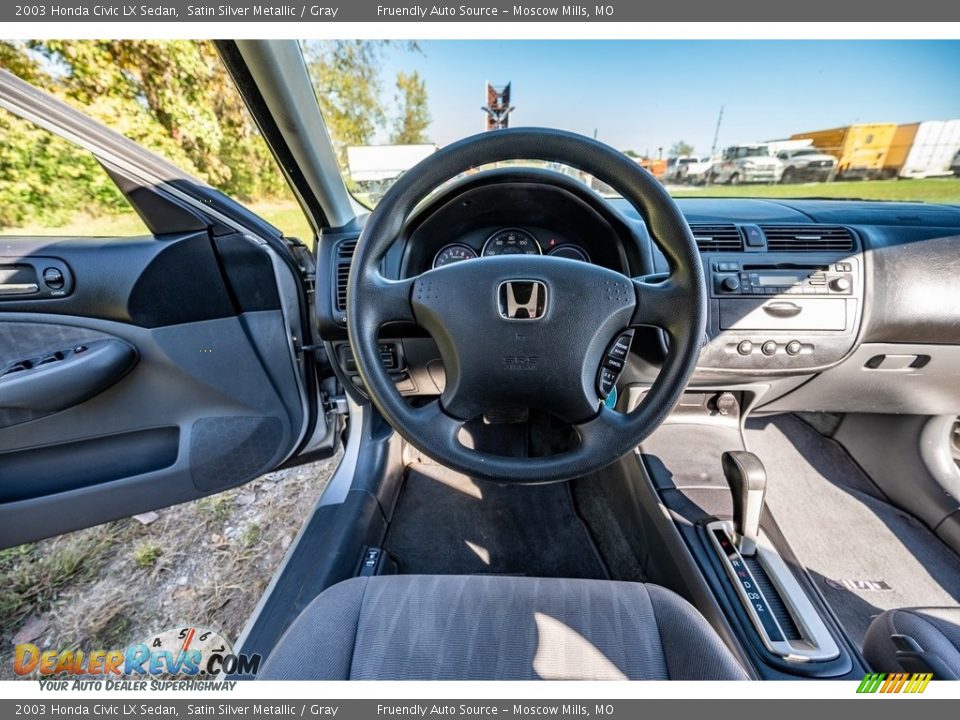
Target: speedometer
<point>453,253</point>
<point>511,241</point>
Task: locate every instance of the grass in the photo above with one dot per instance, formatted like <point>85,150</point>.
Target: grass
<point>288,217</point>
<point>146,555</point>
<point>205,563</point>
<point>216,507</point>
<point>252,534</point>
<point>935,190</point>
<point>284,214</point>
<point>32,576</point>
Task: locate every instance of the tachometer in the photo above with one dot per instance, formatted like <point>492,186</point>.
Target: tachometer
<point>453,253</point>
<point>511,241</point>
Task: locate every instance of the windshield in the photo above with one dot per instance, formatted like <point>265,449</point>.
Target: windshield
<point>390,104</point>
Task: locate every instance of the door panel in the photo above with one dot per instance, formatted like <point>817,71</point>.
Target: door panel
<point>191,389</point>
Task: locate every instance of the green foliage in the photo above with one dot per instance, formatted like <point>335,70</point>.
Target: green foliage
<point>176,99</point>
<point>146,555</point>
<point>681,148</point>
<point>346,79</point>
<point>46,180</point>
<point>173,97</point>
<point>410,127</point>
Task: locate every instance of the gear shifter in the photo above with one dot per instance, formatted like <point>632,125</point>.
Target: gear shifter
<point>748,484</point>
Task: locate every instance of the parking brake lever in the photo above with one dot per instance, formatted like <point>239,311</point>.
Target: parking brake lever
<point>748,485</point>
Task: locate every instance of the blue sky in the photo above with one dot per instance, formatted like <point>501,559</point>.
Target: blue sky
<point>642,94</point>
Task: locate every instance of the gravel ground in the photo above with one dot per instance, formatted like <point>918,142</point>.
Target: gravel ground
<point>204,563</point>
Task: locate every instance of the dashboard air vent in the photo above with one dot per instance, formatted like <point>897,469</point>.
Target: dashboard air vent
<point>807,238</point>
<point>344,255</point>
<point>717,238</point>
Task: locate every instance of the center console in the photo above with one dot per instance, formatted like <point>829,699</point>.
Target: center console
<point>713,493</point>
<point>783,299</point>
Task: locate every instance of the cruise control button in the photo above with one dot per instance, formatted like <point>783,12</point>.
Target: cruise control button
<point>606,381</point>
<point>613,363</point>
<point>620,348</point>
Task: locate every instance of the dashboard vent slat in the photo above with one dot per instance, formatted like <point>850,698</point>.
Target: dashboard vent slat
<point>344,256</point>
<point>346,249</point>
<point>712,237</point>
<point>807,238</point>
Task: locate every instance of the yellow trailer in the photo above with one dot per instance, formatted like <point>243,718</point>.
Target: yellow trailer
<point>899,149</point>
<point>861,150</point>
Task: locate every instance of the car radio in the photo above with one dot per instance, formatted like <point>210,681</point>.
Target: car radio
<point>733,278</point>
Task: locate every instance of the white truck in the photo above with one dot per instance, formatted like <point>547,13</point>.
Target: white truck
<point>373,168</point>
<point>695,173</point>
<point>748,163</point>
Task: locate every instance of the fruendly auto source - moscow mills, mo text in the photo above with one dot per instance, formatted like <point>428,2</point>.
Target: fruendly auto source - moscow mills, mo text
<point>467,11</point>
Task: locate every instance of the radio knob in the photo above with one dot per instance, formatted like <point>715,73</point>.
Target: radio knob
<point>840,284</point>
<point>730,283</point>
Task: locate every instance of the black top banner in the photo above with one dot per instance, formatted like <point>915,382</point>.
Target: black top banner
<point>606,11</point>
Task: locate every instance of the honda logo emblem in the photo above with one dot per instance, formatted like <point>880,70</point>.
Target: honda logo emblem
<point>522,299</point>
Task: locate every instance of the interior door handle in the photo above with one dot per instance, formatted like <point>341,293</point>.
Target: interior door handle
<point>18,288</point>
<point>782,309</point>
<point>51,387</point>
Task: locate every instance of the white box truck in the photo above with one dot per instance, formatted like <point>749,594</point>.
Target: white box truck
<point>933,149</point>
<point>373,168</point>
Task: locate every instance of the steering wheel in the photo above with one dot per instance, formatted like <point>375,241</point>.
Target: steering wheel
<point>518,331</point>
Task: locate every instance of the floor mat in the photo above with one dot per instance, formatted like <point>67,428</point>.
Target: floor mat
<point>448,523</point>
<point>865,555</point>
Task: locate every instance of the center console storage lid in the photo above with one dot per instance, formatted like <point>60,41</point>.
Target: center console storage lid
<point>783,313</point>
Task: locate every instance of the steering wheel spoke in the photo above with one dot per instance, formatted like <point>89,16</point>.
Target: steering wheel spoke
<point>593,431</point>
<point>432,419</point>
<point>661,302</point>
<point>389,300</point>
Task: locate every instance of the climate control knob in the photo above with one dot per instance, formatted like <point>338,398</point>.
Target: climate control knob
<point>840,284</point>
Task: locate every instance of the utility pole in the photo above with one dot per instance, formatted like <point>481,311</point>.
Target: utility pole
<point>716,133</point>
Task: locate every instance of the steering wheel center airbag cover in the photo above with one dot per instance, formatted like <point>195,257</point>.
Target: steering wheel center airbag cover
<point>548,362</point>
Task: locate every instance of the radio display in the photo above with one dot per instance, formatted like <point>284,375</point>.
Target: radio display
<point>780,277</point>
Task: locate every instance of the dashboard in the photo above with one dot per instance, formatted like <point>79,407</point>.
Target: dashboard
<point>813,304</point>
<point>511,211</point>
<point>511,241</point>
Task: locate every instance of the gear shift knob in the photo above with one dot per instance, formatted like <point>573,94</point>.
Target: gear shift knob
<point>748,484</point>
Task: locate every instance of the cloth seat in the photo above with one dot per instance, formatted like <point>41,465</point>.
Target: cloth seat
<point>934,630</point>
<point>448,627</point>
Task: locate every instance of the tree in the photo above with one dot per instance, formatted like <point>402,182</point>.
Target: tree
<point>410,127</point>
<point>173,97</point>
<point>631,153</point>
<point>680,148</point>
